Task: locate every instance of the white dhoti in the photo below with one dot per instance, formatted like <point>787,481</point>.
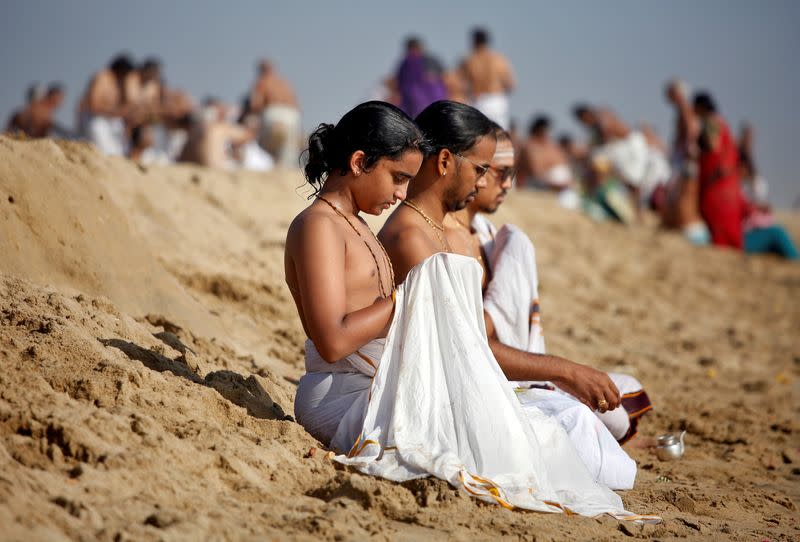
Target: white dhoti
<point>439,405</point>
<point>255,158</point>
<point>512,301</point>
<point>658,170</point>
<point>280,134</point>
<point>328,391</point>
<point>629,157</point>
<point>494,106</point>
<point>108,134</point>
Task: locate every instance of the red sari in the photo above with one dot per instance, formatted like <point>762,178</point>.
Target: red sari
<point>721,203</point>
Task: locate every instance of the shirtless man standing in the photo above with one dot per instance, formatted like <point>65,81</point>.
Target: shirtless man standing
<point>274,100</point>
<point>681,207</point>
<point>104,107</point>
<point>489,79</point>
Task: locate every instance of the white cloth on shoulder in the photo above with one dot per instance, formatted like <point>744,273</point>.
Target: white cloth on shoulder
<point>440,405</point>
<point>512,295</point>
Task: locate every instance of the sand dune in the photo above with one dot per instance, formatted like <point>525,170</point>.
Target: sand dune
<point>149,352</point>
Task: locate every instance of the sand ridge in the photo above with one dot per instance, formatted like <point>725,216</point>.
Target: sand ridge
<point>150,349</point>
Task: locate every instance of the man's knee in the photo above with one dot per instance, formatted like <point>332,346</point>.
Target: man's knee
<point>616,421</point>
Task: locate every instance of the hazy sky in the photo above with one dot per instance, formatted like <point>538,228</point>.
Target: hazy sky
<point>613,53</point>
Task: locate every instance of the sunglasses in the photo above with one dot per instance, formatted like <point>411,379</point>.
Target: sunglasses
<point>505,173</point>
<point>479,169</point>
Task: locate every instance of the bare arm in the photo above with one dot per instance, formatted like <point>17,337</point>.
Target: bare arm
<point>101,89</point>
<point>318,253</point>
<point>588,385</point>
<point>507,76</point>
<point>257,96</point>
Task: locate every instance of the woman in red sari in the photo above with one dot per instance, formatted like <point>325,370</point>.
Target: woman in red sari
<point>721,203</point>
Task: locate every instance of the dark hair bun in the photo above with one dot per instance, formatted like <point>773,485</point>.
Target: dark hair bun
<point>319,148</point>
<point>378,129</point>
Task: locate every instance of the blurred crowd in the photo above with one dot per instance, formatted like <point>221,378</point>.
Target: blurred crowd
<point>129,110</point>
<point>704,183</point>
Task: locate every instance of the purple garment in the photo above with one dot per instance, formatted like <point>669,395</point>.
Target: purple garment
<point>420,83</point>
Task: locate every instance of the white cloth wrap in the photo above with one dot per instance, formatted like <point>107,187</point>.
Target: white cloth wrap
<point>108,134</point>
<point>558,175</point>
<point>280,134</point>
<point>440,405</point>
<point>494,106</point>
<point>513,292</point>
<point>629,157</point>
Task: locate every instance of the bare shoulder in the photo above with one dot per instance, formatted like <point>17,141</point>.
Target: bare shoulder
<point>395,226</point>
<point>406,243</point>
<point>312,224</point>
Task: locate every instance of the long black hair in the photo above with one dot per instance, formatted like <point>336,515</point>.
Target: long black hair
<point>379,129</point>
<point>453,126</point>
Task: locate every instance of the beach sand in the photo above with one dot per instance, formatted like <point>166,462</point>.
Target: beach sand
<point>149,353</point>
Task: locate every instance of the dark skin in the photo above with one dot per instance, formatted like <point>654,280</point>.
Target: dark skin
<point>329,270</point>
<point>409,240</point>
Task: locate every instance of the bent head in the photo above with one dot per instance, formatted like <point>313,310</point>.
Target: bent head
<point>375,148</point>
<point>150,70</point>
<point>585,114</point>
<point>480,37</point>
<point>499,178</point>
<point>676,91</point>
<point>55,95</point>
<point>35,93</point>
<point>704,105</point>
<point>540,127</point>
<point>121,65</point>
<point>461,144</point>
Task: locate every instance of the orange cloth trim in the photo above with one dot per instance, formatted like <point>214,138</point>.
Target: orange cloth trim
<point>365,358</point>
<point>632,394</point>
<point>639,412</point>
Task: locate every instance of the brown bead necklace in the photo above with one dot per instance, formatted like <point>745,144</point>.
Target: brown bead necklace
<point>374,258</point>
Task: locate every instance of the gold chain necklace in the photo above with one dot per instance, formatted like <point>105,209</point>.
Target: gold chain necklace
<point>374,258</point>
<point>436,227</point>
<point>471,234</point>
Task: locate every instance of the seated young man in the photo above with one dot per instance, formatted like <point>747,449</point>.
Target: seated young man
<point>448,181</point>
<point>511,296</point>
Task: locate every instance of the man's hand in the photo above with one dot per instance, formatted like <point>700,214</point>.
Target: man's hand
<point>592,387</point>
